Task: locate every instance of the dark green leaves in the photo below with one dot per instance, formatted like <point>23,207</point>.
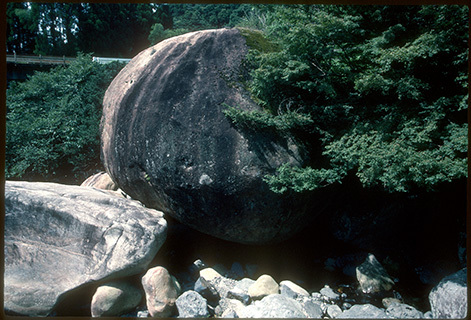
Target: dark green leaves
<point>53,119</point>
<point>384,85</point>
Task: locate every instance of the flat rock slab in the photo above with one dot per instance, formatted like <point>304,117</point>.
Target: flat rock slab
<point>59,237</point>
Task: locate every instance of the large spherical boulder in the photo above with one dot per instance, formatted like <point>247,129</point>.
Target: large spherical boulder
<point>167,142</point>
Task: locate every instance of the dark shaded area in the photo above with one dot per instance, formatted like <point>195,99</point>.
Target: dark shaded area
<point>414,237</point>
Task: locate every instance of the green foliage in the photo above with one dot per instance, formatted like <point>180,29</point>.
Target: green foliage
<point>256,40</point>
<point>114,30</point>
<point>258,120</point>
<point>192,17</point>
<point>385,86</point>
<point>157,33</point>
<point>302,179</point>
<point>206,16</point>
<point>65,28</point>
<point>21,27</point>
<point>118,30</point>
<point>53,121</point>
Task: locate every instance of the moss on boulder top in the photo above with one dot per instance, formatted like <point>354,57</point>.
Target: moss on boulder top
<point>255,39</point>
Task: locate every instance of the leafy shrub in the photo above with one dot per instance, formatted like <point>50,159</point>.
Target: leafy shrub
<point>384,86</point>
<point>53,122</point>
<point>158,34</point>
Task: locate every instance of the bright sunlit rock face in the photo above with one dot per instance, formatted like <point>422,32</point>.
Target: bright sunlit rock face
<point>60,237</point>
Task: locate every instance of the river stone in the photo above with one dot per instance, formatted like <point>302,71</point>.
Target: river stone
<point>192,305</point>
<point>403,311</point>
<point>449,299</point>
<point>209,274</point>
<point>167,142</point>
<point>205,289</point>
<point>372,276</point>
<point>292,290</point>
<point>161,290</point>
<point>114,299</point>
<point>264,286</point>
<point>229,308</point>
<point>334,311</point>
<point>328,294</point>
<point>60,237</point>
<point>273,306</point>
<point>239,294</point>
<point>223,285</point>
<point>216,284</point>
<point>364,311</point>
<point>311,307</point>
<point>100,180</point>
<point>244,284</point>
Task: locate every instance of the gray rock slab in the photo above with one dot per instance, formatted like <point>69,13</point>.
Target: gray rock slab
<point>274,306</point>
<point>239,294</point>
<point>60,237</point>
<point>364,311</point>
<point>311,307</point>
<point>403,311</point>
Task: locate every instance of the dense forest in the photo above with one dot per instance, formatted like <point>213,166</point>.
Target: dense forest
<point>374,92</point>
<point>115,30</point>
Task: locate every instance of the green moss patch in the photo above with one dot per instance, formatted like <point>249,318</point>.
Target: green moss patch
<point>256,40</point>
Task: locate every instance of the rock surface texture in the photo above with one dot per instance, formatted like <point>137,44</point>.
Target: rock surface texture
<point>364,311</point>
<point>60,237</point>
<point>167,142</point>
<point>192,305</point>
<point>114,299</point>
<point>274,306</point>
<point>161,290</point>
<point>264,286</point>
<point>449,299</point>
<point>372,276</point>
<point>100,180</point>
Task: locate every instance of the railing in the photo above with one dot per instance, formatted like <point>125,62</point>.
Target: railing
<point>108,60</point>
<point>50,60</point>
<point>27,59</point>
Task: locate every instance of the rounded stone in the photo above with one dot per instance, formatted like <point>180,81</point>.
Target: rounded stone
<point>192,305</point>
<point>115,299</point>
<point>264,286</point>
<point>449,299</point>
<point>161,292</point>
<point>167,142</point>
<point>209,274</point>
